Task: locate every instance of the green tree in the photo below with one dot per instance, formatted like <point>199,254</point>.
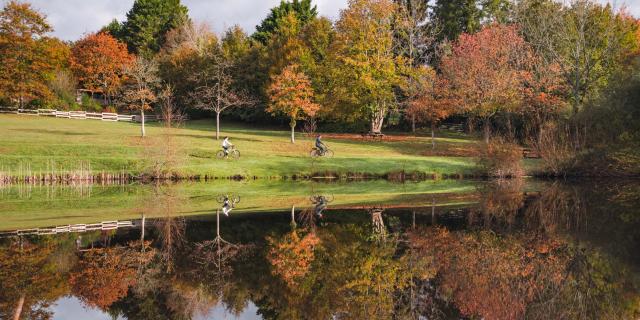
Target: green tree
<point>456,17</point>
<point>302,9</point>
<point>147,24</point>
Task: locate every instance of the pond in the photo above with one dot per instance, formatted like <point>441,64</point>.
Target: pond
<point>449,249</point>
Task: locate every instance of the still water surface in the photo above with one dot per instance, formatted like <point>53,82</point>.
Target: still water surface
<point>303,250</point>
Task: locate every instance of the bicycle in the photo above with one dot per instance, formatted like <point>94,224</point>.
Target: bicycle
<point>233,152</point>
<point>318,198</point>
<point>316,153</point>
<point>234,198</point>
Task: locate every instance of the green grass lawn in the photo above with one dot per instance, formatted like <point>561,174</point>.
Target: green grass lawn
<point>38,144</point>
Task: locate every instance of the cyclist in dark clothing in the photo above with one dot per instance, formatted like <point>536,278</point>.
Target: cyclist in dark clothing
<point>322,148</point>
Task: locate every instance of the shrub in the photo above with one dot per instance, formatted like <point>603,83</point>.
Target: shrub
<point>558,146</point>
<point>90,104</point>
<point>501,159</point>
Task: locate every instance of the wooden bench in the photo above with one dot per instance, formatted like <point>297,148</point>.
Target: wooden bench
<point>372,135</point>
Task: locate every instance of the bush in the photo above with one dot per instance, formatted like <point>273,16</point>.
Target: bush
<point>90,104</point>
<point>501,159</point>
<point>558,146</point>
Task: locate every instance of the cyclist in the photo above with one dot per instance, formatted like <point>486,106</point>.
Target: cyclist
<point>226,144</point>
<point>321,204</point>
<point>322,148</point>
<point>227,206</point>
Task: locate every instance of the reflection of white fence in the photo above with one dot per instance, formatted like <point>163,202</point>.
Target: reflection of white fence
<point>105,225</point>
<point>104,116</point>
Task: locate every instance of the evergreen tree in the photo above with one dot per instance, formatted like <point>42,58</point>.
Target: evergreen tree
<point>456,17</point>
<point>147,24</point>
<point>303,10</point>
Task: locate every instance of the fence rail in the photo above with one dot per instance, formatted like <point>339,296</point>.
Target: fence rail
<point>104,116</point>
<point>105,225</point>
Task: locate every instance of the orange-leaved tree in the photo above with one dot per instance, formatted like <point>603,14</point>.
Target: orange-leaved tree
<point>26,57</point>
<point>484,71</point>
<point>98,61</point>
<point>140,88</point>
<point>290,93</point>
<point>429,98</point>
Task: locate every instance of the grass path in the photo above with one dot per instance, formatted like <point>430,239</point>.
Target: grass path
<point>41,143</point>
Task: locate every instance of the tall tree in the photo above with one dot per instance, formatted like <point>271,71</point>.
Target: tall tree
<point>98,61</point>
<point>302,10</point>
<point>484,72</point>
<point>25,54</point>
<point>367,68</point>
<point>456,17</point>
<point>290,93</point>
<point>588,41</point>
<point>216,91</point>
<point>147,24</point>
<point>139,92</point>
<point>429,98</point>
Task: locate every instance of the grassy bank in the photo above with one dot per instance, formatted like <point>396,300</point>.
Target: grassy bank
<point>39,145</point>
<point>28,206</point>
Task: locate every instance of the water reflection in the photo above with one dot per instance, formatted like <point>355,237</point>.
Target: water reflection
<point>516,252</point>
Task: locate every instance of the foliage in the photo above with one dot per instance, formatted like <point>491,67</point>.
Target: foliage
<point>290,93</point>
<point>63,84</point>
<point>98,61</point>
<point>27,56</point>
<point>502,159</point>
<point>147,25</point>
<point>366,71</point>
<point>484,72</point>
<point>456,17</point>
<point>139,90</point>
<point>302,10</point>
<point>291,256</point>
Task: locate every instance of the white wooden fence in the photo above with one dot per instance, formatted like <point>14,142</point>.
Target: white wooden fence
<point>104,116</point>
<point>105,225</point>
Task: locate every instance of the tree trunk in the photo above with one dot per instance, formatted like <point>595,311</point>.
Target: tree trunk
<point>142,122</point>
<point>413,123</point>
<point>433,135</point>
<point>487,130</point>
<point>377,120</point>
<point>293,128</point>
<point>217,125</point>
<point>18,312</point>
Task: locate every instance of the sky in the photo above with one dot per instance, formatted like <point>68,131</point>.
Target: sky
<point>73,18</point>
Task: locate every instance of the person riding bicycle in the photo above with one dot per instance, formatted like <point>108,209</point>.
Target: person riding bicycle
<point>321,204</point>
<point>226,144</point>
<point>322,148</point>
<point>227,206</point>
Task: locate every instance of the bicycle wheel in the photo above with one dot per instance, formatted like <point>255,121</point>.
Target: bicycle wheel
<point>328,153</point>
<point>313,199</point>
<point>220,154</point>
<point>314,153</point>
<point>220,198</point>
<point>235,154</point>
<point>236,198</point>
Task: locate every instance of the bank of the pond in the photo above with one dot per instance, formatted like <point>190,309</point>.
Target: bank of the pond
<point>44,148</point>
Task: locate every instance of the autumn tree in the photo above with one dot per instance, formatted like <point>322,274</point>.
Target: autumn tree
<point>291,256</point>
<point>216,90</point>
<point>139,91</point>
<point>98,61</point>
<point>290,93</point>
<point>484,72</point>
<point>366,71</point>
<point>588,42</point>
<point>429,98</point>
<point>26,57</point>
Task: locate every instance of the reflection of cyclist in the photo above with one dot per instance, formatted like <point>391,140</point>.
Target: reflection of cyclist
<point>320,145</point>
<point>226,144</point>
<point>227,206</point>
<point>321,204</point>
